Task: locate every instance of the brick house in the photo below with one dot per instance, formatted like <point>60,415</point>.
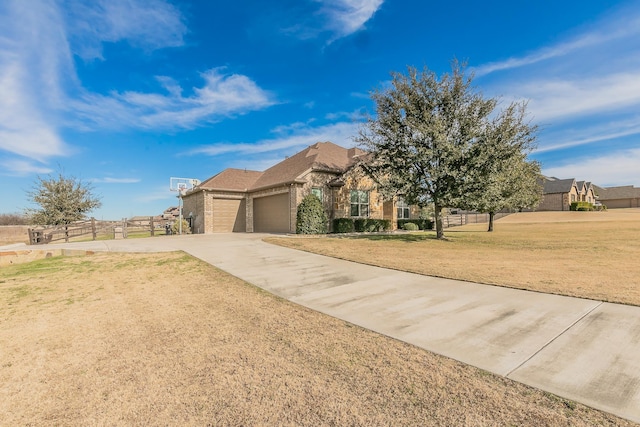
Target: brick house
<point>626,196</point>
<point>238,200</point>
<point>558,194</point>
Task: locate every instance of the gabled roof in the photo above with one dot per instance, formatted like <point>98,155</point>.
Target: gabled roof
<point>232,179</point>
<point>558,185</point>
<point>613,193</point>
<point>321,156</point>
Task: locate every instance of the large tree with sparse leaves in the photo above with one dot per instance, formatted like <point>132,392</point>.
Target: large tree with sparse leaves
<point>61,200</point>
<point>421,137</point>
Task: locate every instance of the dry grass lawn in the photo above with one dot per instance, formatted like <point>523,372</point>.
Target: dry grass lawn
<point>585,254</point>
<point>164,339</point>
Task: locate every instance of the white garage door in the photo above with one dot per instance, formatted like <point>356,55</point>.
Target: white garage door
<point>229,215</point>
<point>271,214</point>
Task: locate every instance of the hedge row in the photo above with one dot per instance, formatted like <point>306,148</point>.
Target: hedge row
<point>581,206</point>
<point>360,225</point>
<point>423,224</point>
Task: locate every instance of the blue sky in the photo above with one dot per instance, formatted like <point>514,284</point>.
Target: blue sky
<point>127,93</point>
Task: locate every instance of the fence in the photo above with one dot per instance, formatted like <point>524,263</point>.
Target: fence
<point>469,218</point>
<point>91,227</point>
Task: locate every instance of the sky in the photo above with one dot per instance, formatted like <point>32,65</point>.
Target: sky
<point>124,94</point>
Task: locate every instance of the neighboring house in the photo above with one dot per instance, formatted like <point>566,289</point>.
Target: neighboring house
<point>586,192</point>
<point>558,194</point>
<point>618,197</point>
<point>251,201</point>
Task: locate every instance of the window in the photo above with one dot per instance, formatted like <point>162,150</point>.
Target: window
<point>573,197</point>
<point>359,203</point>
<point>316,191</point>
<point>403,209</point>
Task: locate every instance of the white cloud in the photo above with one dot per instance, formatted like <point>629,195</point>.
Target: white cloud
<point>301,137</point>
<point>222,95</point>
<point>557,99</point>
<point>146,24</point>
<point>21,167</point>
<point>588,134</point>
<point>623,25</point>
<point>345,17</point>
<point>31,79</point>
<point>618,168</point>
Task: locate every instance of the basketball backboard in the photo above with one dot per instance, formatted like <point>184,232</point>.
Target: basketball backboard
<point>182,185</point>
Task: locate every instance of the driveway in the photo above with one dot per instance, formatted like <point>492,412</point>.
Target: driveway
<point>583,350</point>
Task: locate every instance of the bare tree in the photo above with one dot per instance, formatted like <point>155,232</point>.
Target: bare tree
<point>61,200</point>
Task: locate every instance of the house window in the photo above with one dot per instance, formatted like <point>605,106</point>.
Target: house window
<point>316,191</point>
<point>403,209</point>
<point>573,197</point>
<point>359,203</point>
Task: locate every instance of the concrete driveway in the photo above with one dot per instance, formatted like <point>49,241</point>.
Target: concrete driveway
<point>587,351</point>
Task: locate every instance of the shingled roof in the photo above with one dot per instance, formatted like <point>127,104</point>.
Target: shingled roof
<point>613,193</point>
<point>321,156</point>
<point>552,186</point>
<point>232,179</point>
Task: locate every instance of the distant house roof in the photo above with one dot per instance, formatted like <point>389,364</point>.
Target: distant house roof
<point>321,156</point>
<point>614,193</point>
<point>556,185</point>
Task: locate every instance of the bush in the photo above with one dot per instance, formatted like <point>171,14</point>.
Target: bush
<point>343,225</point>
<point>175,228</point>
<point>311,217</point>
<point>370,225</point>
<point>410,226</point>
<point>581,206</point>
<point>423,224</point>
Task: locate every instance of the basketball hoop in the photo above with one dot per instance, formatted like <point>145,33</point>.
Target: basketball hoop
<point>182,186</point>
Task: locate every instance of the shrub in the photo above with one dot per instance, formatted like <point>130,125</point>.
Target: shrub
<point>410,226</point>
<point>175,228</point>
<point>359,225</point>
<point>581,206</point>
<point>343,225</point>
<point>423,224</point>
<point>311,217</point>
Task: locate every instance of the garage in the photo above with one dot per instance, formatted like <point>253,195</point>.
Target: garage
<point>229,215</point>
<point>271,214</point>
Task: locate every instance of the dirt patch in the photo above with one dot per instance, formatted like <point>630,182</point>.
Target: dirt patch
<point>164,339</point>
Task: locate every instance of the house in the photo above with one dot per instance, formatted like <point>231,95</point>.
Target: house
<point>626,196</point>
<point>586,192</point>
<point>237,200</point>
<point>558,194</point>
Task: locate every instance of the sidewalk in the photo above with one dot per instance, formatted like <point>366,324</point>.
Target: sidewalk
<point>583,350</point>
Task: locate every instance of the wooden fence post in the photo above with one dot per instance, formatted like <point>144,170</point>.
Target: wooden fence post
<point>66,233</point>
<point>93,228</point>
<point>151,225</point>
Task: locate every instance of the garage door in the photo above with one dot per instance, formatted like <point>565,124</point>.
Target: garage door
<point>271,214</point>
<point>229,215</point>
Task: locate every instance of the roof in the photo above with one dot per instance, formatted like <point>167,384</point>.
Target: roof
<point>321,156</point>
<point>613,193</point>
<point>555,185</point>
<point>232,179</point>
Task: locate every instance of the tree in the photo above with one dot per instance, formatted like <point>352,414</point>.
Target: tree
<point>421,138</point>
<point>62,200</point>
<point>311,217</point>
<point>502,177</point>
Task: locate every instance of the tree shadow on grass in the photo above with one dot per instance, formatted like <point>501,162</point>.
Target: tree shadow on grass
<point>408,238</point>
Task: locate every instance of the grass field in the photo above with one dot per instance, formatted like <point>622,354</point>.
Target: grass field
<point>164,339</point>
<point>585,254</point>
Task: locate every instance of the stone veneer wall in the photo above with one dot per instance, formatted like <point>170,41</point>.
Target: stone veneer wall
<point>342,197</point>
